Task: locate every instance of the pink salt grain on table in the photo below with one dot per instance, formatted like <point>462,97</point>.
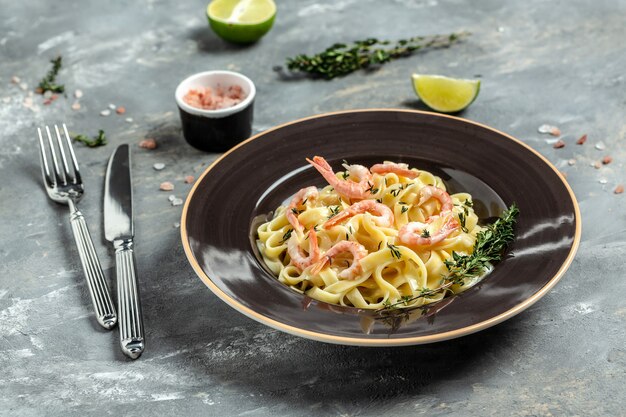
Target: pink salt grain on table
<point>207,99</point>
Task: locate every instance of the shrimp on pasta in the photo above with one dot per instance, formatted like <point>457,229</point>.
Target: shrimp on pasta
<point>371,237</point>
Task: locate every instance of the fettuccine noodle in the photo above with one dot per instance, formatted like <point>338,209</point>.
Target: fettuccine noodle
<point>402,225</point>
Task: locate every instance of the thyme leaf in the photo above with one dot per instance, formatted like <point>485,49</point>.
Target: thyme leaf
<point>287,235</point>
<point>99,140</point>
<point>333,211</point>
<point>394,251</point>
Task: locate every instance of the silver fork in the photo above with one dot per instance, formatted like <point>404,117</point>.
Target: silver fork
<point>65,186</point>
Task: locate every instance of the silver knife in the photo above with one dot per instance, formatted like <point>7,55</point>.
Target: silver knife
<point>118,229</point>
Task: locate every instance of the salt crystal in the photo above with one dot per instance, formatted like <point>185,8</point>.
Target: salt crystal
<point>24,86</point>
<point>158,166</point>
<point>129,120</point>
<point>47,94</point>
<point>500,29</point>
<point>600,146</point>
<point>15,79</point>
<point>112,106</point>
<point>171,197</point>
<point>571,162</point>
<point>148,143</point>
<point>602,181</point>
<point>189,179</point>
<point>546,128</point>
<point>177,225</point>
<point>105,112</point>
<point>76,106</point>
<point>177,202</point>
<point>78,93</point>
<point>166,186</point>
<point>596,165</point>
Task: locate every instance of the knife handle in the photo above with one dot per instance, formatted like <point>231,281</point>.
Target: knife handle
<point>100,296</point>
<point>132,338</point>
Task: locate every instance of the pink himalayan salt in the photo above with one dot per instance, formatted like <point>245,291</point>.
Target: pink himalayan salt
<point>207,99</point>
<point>149,143</point>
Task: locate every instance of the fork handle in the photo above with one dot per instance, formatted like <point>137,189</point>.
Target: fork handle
<point>100,296</point>
<point>132,338</point>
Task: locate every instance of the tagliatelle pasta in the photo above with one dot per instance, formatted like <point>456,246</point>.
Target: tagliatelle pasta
<point>373,237</point>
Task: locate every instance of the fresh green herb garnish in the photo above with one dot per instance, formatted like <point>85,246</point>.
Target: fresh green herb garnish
<point>396,192</point>
<point>404,209</point>
<point>372,189</point>
<point>462,219</point>
<point>333,211</point>
<point>48,83</point>
<point>287,235</point>
<point>99,140</point>
<point>342,59</point>
<point>345,175</point>
<point>394,251</point>
<point>489,247</point>
<point>425,234</point>
<point>469,203</point>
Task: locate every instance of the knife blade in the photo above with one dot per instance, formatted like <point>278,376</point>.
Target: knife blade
<point>119,229</point>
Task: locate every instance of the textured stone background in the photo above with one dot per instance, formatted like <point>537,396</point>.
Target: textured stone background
<point>558,62</point>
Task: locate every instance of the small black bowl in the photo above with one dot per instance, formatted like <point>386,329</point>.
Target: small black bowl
<point>216,130</point>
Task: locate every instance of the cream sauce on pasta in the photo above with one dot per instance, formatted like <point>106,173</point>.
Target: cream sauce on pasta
<point>391,271</point>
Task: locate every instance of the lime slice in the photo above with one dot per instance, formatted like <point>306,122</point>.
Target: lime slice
<point>241,21</point>
<point>443,94</point>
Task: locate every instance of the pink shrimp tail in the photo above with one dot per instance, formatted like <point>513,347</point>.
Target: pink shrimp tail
<point>320,265</point>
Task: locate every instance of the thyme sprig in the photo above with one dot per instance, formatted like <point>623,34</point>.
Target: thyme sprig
<point>287,235</point>
<point>488,248</point>
<point>48,83</point>
<point>406,299</point>
<point>99,140</point>
<point>341,59</point>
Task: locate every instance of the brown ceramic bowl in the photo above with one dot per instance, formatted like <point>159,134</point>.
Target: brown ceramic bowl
<point>251,180</point>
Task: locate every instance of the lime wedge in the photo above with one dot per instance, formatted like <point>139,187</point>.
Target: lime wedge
<point>241,21</point>
<point>443,94</point>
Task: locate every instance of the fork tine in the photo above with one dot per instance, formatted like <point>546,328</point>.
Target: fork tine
<point>45,169</point>
<point>72,155</point>
<point>66,169</point>
<point>55,164</point>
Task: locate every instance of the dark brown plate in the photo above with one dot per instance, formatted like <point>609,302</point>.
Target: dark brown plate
<point>254,178</point>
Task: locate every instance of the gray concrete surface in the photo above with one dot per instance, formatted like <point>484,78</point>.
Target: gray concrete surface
<point>541,62</point>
